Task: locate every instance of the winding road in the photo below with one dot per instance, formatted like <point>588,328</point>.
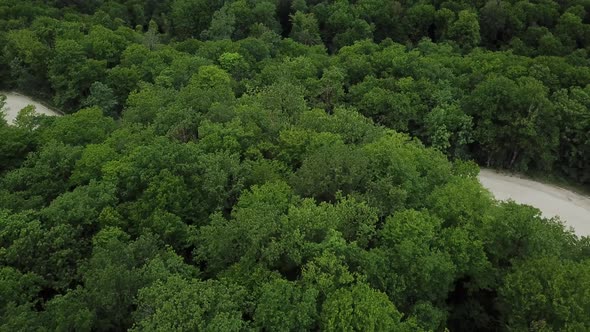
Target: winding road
<point>571,207</point>
<point>15,102</point>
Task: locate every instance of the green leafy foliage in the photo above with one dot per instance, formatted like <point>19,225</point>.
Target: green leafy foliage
<point>290,165</point>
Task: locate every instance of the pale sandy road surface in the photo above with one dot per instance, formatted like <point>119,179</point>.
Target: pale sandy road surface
<point>15,102</point>
<point>571,207</point>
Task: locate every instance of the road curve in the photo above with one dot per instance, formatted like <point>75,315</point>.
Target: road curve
<point>15,102</point>
<point>571,207</point>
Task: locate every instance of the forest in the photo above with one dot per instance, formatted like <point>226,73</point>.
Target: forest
<point>290,165</point>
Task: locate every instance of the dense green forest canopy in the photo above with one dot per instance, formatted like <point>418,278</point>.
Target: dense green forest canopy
<point>281,165</point>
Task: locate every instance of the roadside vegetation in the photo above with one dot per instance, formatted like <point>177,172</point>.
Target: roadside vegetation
<point>290,165</point>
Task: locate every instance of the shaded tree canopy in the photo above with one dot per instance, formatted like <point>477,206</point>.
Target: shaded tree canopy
<point>290,165</point>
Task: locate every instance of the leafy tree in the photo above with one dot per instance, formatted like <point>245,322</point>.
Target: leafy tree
<point>518,233</point>
<point>235,64</point>
<point>420,20</point>
<point>546,292</point>
<point>461,201</point>
<point>47,254</point>
<point>284,165</point>
<point>96,126</point>
<point>68,312</point>
<point>191,17</point>
<point>409,238</point>
<point>101,95</point>
<point>465,30</point>
<point>305,29</point>
<point>15,143</point>
<point>116,271</point>
<point>17,288</point>
<point>178,303</point>
<point>249,234</point>
<point>71,73</point>
<point>104,44</point>
<point>449,130</point>
<point>208,86</point>
<point>285,306</point>
<point>332,168</point>
<point>575,121</point>
<point>26,57</point>
<point>41,178</point>
<point>151,39</point>
<point>222,25</point>
<point>517,108</point>
<point>499,21</point>
<point>360,308</point>
<point>144,104</point>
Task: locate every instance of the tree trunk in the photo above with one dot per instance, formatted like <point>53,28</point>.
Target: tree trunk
<point>514,156</point>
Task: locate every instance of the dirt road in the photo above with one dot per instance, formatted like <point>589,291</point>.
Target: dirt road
<point>15,102</point>
<point>572,208</point>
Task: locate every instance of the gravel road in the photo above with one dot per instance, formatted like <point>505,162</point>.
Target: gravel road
<point>571,207</point>
<point>15,102</point>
